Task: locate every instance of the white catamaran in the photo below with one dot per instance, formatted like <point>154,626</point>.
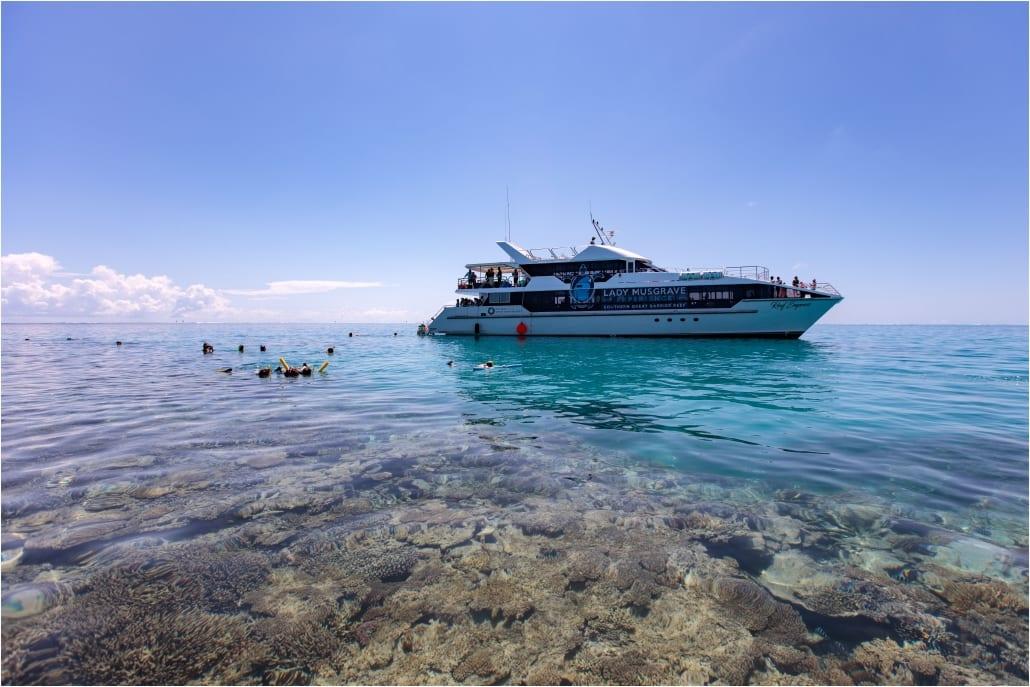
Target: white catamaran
<point>606,290</point>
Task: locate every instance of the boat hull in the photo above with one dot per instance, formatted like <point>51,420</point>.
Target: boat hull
<point>760,318</point>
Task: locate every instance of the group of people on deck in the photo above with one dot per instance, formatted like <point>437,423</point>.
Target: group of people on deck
<point>492,280</point>
<point>791,293</point>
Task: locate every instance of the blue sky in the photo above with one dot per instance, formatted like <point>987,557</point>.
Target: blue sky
<point>165,161</point>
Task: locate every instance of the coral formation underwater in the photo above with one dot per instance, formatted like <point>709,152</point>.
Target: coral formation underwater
<point>480,557</point>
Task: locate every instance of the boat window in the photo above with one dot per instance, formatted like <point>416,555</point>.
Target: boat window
<point>600,270</point>
<point>502,298</point>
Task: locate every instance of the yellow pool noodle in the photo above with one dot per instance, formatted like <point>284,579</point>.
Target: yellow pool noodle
<point>324,365</point>
<point>284,364</point>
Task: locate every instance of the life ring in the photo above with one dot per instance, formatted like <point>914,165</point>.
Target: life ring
<point>489,311</point>
<point>521,329</point>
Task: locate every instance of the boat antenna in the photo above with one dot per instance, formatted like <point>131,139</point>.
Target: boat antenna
<point>598,229</point>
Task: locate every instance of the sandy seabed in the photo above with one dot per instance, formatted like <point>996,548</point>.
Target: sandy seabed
<point>478,556</point>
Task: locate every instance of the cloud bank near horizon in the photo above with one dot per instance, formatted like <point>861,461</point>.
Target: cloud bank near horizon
<point>298,287</point>
<point>33,286</point>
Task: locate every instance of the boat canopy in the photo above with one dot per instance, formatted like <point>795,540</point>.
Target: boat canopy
<point>591,253</point>
<point>484,266</point>
<point>606,252</point>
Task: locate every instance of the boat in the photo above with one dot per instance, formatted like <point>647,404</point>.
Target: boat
<point>605,290</point>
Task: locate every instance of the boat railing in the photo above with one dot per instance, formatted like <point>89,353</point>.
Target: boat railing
<point>788,291</point>
<point>464,283</point>
<point>558,253</point>
<point>756,272</point>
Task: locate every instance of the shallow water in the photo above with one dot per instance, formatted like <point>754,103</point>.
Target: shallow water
<point>400,519</point>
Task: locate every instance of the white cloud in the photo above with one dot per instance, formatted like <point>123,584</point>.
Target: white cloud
<point>27,266</point>
<point>302,287</point>
<point>33,286</point>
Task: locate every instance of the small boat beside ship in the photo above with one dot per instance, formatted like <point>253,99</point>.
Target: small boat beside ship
<point>606,290</point>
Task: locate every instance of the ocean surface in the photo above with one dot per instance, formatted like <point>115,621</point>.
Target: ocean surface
<point>893,457</point>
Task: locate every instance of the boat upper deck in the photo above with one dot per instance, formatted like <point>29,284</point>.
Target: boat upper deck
<point>608,265</point>
<point>492,277</point>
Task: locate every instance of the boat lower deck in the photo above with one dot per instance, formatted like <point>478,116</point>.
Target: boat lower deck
<point>779,318</point>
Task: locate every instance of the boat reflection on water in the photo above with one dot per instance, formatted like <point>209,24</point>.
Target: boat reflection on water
<point>688,394</point>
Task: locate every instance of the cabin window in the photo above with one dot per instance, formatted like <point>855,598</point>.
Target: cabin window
<point>500,298</point>
<point>567,271</point>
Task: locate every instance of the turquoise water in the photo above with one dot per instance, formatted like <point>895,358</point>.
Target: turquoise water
<point>931,417</point>
<point>934,417</point>
<point>112,450</point>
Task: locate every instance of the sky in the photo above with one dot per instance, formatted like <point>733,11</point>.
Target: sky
<point>342,162</point>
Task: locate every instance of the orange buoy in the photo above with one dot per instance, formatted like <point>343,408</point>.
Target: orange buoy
<point>522,329</point>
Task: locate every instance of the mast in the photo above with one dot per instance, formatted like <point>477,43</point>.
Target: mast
<point>605,236</point>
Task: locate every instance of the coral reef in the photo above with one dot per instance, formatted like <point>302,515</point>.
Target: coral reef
<point>485,560</point>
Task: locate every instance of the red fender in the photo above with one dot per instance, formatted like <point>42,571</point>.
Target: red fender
<point>521,329</point>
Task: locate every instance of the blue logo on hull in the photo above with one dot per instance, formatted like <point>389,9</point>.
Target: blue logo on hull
<point>581,292</point>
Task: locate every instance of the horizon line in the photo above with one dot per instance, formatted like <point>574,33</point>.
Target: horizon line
<point>230,322</point>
